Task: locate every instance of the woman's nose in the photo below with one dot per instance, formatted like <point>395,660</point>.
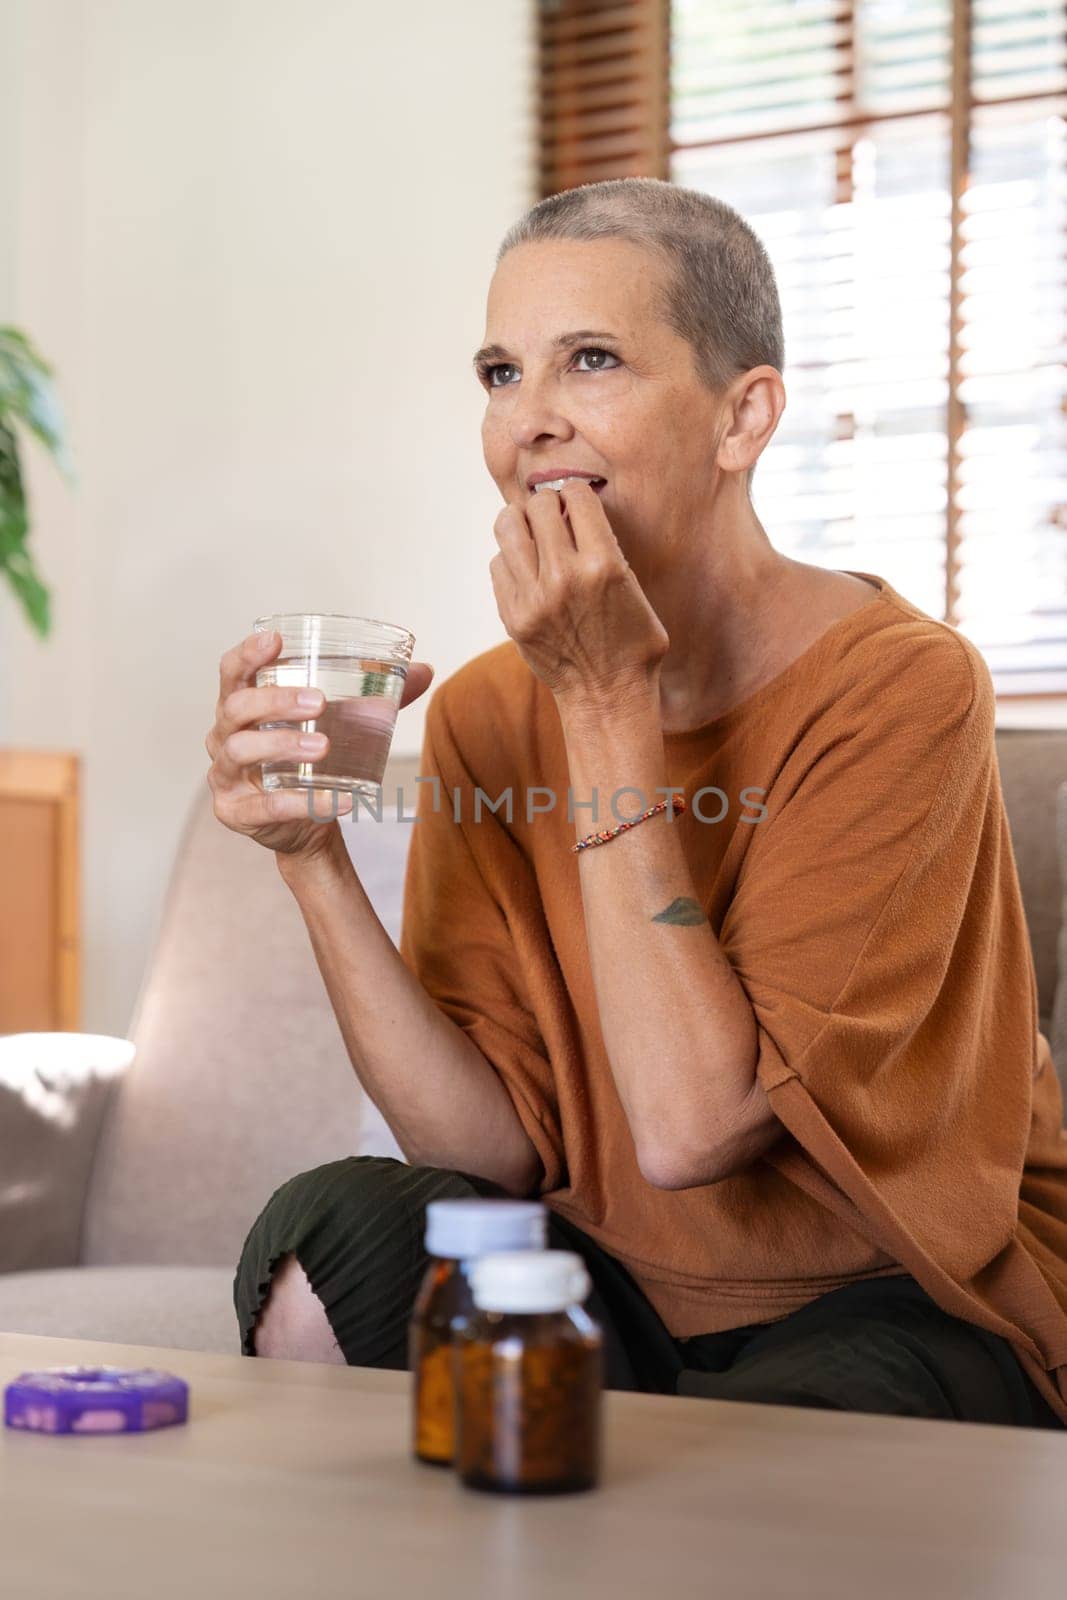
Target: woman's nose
<point>533,417</point>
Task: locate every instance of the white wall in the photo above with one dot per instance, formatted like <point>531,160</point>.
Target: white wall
<point>255,242</point>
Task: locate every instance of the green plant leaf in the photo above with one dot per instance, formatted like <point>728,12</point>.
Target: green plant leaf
<point>27,394</point>
<point>22,576</point>
<point>11,490</point>
<point>14,521</point>
<point>26,397</point>
<point>14,525</point>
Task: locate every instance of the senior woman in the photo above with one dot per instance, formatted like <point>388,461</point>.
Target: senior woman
<point>769,1054</point>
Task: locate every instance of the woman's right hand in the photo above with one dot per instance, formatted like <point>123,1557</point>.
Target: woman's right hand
<point>276,818</point>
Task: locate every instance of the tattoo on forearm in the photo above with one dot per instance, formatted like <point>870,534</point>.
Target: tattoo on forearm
<point>683,911</point>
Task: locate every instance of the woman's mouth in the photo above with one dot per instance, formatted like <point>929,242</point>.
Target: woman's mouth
<point>557,483</point>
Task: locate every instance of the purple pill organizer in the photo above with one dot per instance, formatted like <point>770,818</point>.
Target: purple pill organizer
<point>95,1400</point>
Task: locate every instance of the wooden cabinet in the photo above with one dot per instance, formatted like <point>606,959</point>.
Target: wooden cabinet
<point>40,976</point>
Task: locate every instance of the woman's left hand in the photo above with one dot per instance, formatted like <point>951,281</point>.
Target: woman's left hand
<point>573,606</point>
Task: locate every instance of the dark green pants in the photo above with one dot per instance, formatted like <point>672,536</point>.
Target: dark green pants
<point>356,1228</point>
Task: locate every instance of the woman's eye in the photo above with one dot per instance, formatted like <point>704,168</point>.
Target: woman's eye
<point>596,351</point>
<point>509,366</point>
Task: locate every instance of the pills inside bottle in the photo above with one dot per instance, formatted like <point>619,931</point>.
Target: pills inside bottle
<point>529,1375</point>
<point>457,1233</point>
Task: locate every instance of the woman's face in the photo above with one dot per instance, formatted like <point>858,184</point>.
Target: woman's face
<point>581,372</point>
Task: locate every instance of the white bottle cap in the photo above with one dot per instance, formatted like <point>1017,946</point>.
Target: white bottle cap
<point>529,1280</point>
<point>460,1229</point>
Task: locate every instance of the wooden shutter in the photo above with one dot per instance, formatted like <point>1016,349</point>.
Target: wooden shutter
<point>39,869</point>
<point>603,91</point>
<point>903,164</point>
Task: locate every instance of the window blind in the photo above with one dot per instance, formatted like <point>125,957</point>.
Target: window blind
<point>604,85</point>
<point>903,163</point>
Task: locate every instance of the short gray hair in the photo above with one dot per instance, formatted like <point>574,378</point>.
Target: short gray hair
<point>722,296</point>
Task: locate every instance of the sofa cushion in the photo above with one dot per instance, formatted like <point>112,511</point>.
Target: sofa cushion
<point>188,1308</point>
<point>242,1077</point>
<point>1057,1031</point>
<point>53,1091</point>
<point>1032,763</point>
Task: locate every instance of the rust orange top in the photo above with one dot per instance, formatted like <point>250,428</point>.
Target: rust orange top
<point>874,918</point>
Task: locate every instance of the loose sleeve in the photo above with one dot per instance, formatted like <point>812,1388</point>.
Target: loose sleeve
<point>463,881</point>
<point>876,927</point>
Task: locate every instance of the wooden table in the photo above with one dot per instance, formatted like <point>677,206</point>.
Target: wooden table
<point>294,1479</point>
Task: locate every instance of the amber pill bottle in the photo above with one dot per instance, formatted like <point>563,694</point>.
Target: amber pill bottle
<point>457,1233</point>
<point>529,1377</point>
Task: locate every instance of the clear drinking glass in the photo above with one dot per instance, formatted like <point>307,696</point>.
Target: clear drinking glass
<point>360,665</point>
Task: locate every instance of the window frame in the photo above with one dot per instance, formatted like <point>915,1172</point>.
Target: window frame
<point>604,110</point>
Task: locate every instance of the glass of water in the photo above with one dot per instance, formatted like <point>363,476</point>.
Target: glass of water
<point>360,665</point>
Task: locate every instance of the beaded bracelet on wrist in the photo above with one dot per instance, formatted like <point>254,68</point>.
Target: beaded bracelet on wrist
<point>611,833</point>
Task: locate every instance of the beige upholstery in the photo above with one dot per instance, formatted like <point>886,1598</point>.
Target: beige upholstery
<point>242,1078</point>
<point>1033,764</point>
<point>193,1303</point>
